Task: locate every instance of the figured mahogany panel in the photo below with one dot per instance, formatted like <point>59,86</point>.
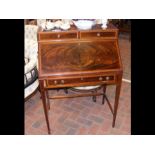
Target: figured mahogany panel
<point>78,56</point>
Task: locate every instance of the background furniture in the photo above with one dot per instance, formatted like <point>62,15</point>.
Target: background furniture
<point>37,22</point>
<point>124,25</point>
<point>31,60</point>
<point>40,21</point>
<point>30,22</point>
<point>75,58</point>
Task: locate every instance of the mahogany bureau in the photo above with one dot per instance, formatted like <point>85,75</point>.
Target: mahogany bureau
<point>75,57</point>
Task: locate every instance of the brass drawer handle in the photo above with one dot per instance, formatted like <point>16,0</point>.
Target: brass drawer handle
<point>58,36</point>
<point>107,78</point>
<point>98,34</point>
<point>62,81</point>
<point>55,82</point>
<point>100,78</point>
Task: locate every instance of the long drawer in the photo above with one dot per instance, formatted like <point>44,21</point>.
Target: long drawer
<point>80,81</point>
<point>98,34</point>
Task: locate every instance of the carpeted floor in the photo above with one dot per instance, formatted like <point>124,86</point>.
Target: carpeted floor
<point>82,116</point>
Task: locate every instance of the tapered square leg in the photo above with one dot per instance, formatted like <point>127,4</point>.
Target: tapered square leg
<point>43,95</point>
<point>47,97</point>
<point>117,94</point>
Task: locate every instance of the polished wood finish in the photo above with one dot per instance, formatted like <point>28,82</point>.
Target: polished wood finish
<point>45,106</point>
<point>57,35</point>
<point>79,58</point>
<point>98,34</point>
<point>70,82</point>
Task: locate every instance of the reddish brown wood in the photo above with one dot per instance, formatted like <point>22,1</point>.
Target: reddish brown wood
<point>63,82</point>
<point>75,95</point>
<point>57,35</point>
<point>43,95</point>
<point>98,34</point>
<point>104,91</point>
<point>80,58</point>
<point>47,98</point>
<point>117,94</point>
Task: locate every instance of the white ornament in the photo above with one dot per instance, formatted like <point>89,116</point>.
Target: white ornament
<point>104,23</point>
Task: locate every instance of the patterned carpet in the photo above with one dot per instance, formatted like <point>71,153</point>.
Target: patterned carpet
<point>82,116</point>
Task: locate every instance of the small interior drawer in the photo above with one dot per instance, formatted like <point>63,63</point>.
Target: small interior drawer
<point>53,36</point>
<point>97,34</point>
